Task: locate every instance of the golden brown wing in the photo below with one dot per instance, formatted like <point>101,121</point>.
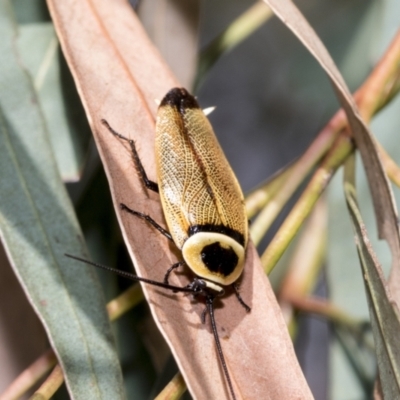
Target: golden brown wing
<point>198,189</point>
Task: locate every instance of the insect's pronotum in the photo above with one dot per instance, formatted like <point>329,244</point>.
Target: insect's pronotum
<point>202,202</point>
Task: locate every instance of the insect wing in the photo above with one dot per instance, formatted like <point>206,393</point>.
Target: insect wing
<point>198,188</point>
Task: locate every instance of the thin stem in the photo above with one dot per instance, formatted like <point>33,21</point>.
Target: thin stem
<point>305,264</point>
<point>124,302</point>
<point>50,385</point>
<point>241,28</point>
<point>174,389</point>
<point>377,90</point>
<point>383,83</point>
<point>318,306</point>
<point>303,168</point>
<point>259,197</point>
<point>30,376</point>
<point>303,207</point>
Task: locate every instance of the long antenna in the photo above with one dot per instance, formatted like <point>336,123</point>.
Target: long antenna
<point>132,276</point>
<point>209,305</point>
<point>210,309</point>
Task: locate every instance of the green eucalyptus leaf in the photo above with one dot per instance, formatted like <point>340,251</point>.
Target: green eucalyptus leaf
<point>30,11</point>
<point>39,50</point>
<point>38,225</point>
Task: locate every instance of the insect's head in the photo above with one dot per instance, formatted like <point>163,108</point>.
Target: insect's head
<point>179,98</point>
<point>205,288</point>
<point>214,256</point>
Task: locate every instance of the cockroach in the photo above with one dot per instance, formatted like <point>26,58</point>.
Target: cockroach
<point>202,202</point>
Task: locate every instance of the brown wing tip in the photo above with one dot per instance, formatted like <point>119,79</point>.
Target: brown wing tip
<point>180,99</point>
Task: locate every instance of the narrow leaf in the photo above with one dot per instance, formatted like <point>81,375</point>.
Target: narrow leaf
<point>37,226</point>
<point>39,50</point>
<point>384,313</point>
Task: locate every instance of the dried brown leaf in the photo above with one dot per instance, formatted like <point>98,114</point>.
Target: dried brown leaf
<point>119,74</point>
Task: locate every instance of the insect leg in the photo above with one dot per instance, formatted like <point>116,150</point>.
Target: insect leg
<point>170,269</point>
<point>136,159</point>
<point>241,301</point>
<point>148,219</point>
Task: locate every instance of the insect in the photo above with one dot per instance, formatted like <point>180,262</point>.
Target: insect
<point>202,203</point>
